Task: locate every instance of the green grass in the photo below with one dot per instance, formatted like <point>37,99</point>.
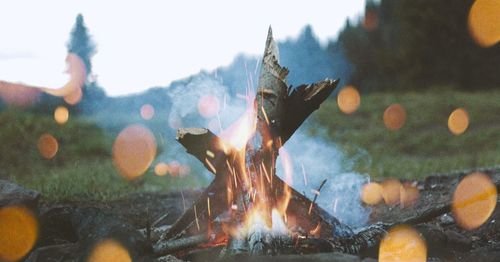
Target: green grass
<point>424,145</point>
<point>82,167</point>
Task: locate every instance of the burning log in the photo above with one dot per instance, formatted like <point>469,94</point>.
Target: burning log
<point>245,179</point>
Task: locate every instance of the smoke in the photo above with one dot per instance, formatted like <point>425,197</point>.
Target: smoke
<point>315,159</point>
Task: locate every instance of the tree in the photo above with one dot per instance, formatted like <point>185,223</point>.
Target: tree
<point>81,44</point>
<point>418,44</point>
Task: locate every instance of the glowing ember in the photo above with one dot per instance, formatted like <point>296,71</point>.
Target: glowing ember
<point>371,193</point>
<point>147,111</point>
<point>161,169</point>
<point>48,146</point>
<point>349,100</point>
<point>394,117</point>
<point>402,243</point>
<point>484,22</point>
<point>61,115</point>
<point>208,106</point>
<point>391,191</point>
<point>109,250</point>
<point>18,232</point>
<point>458,121</point>
<point>474,200</point>
<point>133,151</point>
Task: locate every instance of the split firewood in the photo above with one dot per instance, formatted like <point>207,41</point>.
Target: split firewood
<point>280,110</point>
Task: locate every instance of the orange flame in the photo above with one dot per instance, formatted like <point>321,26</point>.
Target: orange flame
<point>267,209</point>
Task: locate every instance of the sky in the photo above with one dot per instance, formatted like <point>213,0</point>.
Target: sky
<point>142,44</point>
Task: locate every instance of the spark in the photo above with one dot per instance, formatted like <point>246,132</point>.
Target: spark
<point>316,196</point>
<point>218,117</point>
<point>265,172</point>
<point>233,173</point>
<point>196,218</point>
<point>210,154</point>
<point>265,114</point>
<point>208,205</point>
<point>304,174</point>
<point>211,166</point>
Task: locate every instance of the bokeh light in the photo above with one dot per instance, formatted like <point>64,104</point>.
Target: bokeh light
<point>18,95</point>
<point>208,106</point>
<point>133,151</point>
<point>74,97</point>
<point>18,232</point>
<point>47,146</point>
<point>348,99</point>
<point>110,251</point>
<point>402,243</point>
<point>458,121</point>
<point>409,195</point>
<point>395,117</point>
<point>161,169</point>
<point>484,22</point>
<point>391,190</point>
<point>474,200</point>
<point>371,193</point>
<point>147,111</point>
<point>61,115</point>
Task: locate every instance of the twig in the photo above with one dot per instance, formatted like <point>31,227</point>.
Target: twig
<point>167,247</point>
<point>316,196</point>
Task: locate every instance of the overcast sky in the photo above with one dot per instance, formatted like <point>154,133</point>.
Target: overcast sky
<point>142,44</point>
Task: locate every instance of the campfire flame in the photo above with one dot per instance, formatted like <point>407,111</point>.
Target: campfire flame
<point>267,210</point>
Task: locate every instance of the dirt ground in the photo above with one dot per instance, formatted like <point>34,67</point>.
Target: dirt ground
<point>482,243</point>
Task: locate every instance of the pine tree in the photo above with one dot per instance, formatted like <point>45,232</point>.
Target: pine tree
<point>81,44</point>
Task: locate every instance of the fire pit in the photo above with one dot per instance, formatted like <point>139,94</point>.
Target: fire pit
<point>248,209</point>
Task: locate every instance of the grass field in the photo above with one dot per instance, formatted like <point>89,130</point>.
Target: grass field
<point>424,145</point>
<point>83,167</point>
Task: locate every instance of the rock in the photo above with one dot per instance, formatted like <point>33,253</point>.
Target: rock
<point>13,194</point>
<point>446,219</point>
